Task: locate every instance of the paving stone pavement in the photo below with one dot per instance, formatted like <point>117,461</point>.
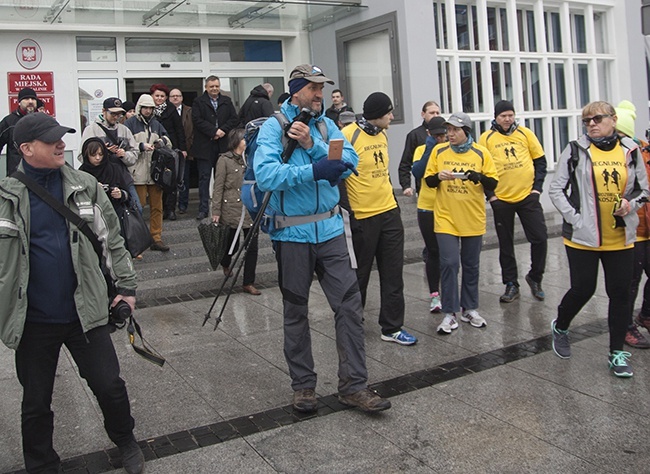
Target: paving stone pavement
<point>492,400</point>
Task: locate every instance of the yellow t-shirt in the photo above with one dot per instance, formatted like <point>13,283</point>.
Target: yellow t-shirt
<point>459,207</point>
<point>427,195</point>
<point>513,157</point>
<point>610,174</point>
<point>370,193</point>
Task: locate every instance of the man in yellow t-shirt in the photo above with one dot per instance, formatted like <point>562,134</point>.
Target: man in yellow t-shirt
<point>521,166</point>
<point>377,230</point>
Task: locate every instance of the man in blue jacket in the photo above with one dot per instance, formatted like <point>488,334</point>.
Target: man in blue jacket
<point>308,236</point>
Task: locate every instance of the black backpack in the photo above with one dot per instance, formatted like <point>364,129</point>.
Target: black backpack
<point>166,167</point>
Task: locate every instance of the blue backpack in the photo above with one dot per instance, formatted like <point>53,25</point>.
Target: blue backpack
<point>251,195</point>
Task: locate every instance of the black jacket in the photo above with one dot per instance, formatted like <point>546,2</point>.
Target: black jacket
<point>206,122</point>
<point>174,126</point>
<point>257,105</point>
<point>7,138</point>
<point>415,138</point>
<point>333,113</point>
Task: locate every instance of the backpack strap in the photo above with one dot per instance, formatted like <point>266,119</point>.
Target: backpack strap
<point>110,134</point>
<point>355,136</point>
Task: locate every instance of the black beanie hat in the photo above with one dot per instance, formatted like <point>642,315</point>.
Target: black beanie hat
<point>26,93</point>
<point>376,105</point>
<point>503,106</point>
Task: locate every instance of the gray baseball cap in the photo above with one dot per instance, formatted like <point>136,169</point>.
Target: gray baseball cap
<point>460,120</point>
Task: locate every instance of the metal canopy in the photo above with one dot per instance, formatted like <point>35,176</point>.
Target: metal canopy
<point>183,14</point>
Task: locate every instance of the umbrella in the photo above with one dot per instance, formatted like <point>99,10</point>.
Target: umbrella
<point>215,241</point>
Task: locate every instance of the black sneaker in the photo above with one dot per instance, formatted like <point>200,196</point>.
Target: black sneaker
<point>160,246</point>
<point>535,288</point>
<point>304,400</point>
<point>511,293</point>
<point>618,363</point>
<point>561,343</point>
<point>132,458</point>
<point>365,400</point>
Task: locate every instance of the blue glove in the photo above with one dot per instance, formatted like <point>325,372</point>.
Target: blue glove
<point>331,170</point>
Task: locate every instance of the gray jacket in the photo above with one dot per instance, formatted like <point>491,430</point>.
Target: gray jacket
<point>574,194</point>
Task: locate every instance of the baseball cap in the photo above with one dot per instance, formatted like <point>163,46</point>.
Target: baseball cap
<point>436,126</point>
<point>113,104</point>
<point>460,120</point>
<point>311,73</point>
<point>347,117</point>
<point>39,126</point>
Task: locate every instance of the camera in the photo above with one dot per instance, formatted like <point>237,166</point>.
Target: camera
<point>119,314</point>
<point>107,188</point>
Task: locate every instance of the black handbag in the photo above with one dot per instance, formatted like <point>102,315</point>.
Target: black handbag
<point>135,231</point>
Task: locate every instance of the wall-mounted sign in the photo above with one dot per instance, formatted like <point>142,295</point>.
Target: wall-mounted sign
<point>29,54</point>
<point>41,82</point>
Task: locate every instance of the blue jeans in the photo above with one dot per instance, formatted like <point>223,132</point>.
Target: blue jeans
<point>454,252</point>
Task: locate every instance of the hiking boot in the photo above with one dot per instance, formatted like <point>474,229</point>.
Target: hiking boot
<point>561,344</point>
<point>401,337</point>
<point>618,363</point>
<point>435,305</point>
<point>511,293</point>
<point>642,321</point>
<point>471,316</point>
<point>448,324</point>
<point>365,400</point>
<point>634,338</point>
<point>132,458</point>
<point>160,246</point>
<point>304,400</point>
<point>535,288</point>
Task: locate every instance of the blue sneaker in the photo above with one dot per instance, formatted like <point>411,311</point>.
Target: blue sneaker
<point>618,363</point>
<point>400,337</point>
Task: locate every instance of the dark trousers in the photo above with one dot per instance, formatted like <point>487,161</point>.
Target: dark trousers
<point>583,270</point>
<point>297,263</point>
<point>36,360</point>
<point>531,215</point>
<point>250,262</point>
<point>381,237</point>
<point>432,259</point>
<point>641,266</point>
<point>205,167</point>
<point>184,193</point>
<point>169,201</point>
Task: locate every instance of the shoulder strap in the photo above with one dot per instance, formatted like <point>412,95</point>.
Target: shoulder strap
<point>572,162</point>
<point>50,200</point>
<point>355,136</point>
<point>112,134</point>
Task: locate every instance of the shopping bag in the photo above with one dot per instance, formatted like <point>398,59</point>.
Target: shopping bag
<point>215,241</point>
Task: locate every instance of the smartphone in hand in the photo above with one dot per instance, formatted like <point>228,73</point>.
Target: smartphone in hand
<point>336,149</point>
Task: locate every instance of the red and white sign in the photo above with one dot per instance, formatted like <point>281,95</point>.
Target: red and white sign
<point>41,82</point>
<point>29,54</point>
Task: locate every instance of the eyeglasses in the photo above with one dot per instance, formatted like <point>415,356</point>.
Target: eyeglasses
<point>596,118</point>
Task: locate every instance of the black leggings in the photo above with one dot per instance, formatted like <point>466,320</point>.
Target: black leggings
<point>583,268</point>
<point>432,260</point>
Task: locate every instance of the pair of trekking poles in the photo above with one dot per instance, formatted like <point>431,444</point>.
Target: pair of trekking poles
<point>305,116</point>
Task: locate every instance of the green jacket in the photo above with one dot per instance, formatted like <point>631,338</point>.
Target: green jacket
<point>83,196</point>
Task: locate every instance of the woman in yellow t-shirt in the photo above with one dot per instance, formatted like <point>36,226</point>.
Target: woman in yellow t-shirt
<point>599,185</point>
<point>462,171</point>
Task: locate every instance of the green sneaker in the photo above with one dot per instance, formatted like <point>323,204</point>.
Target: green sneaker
<point>618,362</point>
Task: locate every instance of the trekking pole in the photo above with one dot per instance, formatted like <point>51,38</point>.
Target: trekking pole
<point>305,116</point>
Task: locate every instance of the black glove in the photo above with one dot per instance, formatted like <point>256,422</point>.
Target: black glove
<point>474,176</point>
<point>331,170</point>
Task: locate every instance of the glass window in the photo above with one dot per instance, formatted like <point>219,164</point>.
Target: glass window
<point>560,135</point>
<point>493,31</point>
<point>603,79</point>
<point>582,84</point>
<point>366,53</point>
<point>503,14</point>
<point>245,51</point>
<point>462,26</point>
<point>556,32</point>
<point>558,85</point>
<point>600,33</point>
<point>497,29</point>
<point>501,81</point>
<point>163,49</point>
<point>531,86</point>
<point>445,86</point>
<point>530,28</point>
<point>96,49</point>
<point>475,28</point>
<point>471,84</point>
<point>579,34</point>
<point>526,24</point>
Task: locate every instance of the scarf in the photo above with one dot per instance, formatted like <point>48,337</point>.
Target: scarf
<point>605,143</point>
<point>465,146</point>
<point>108,171</point>
<point>367,127</point>
<point>498,128</point>
<point>160,109</point>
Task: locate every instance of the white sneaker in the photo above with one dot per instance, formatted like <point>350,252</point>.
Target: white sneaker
<point>435,306</point>
<point>448,324</point>
<point>471,316</point>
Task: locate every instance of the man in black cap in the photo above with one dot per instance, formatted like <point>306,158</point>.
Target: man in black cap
<point>521,166</point>
<point>377,230</point>
<point>40,313</point>
<point>309,238</point>
<point>26,105</point>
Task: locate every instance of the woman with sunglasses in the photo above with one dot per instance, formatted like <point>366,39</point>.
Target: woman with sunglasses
<point>600,223</point>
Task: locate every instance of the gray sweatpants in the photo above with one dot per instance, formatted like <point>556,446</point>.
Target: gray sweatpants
<point>297,263</point>
<point>454,252</point>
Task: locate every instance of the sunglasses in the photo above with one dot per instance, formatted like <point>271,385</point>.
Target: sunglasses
<point>596,118</point>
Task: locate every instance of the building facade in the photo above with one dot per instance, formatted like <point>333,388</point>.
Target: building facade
<point>550,57</point>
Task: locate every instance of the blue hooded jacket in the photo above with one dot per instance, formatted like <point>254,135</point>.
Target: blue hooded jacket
<point>295,193</point>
